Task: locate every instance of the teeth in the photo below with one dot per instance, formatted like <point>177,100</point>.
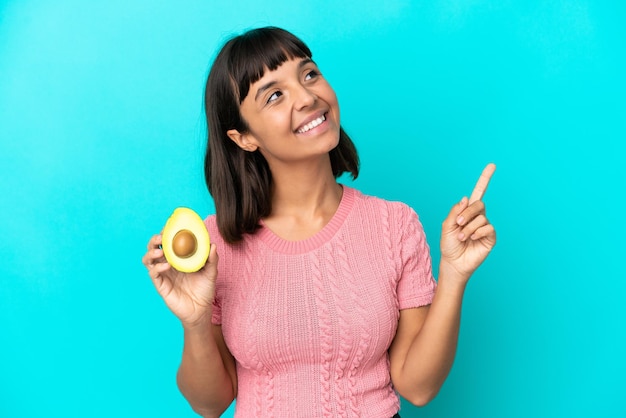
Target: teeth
<point>312,124</point>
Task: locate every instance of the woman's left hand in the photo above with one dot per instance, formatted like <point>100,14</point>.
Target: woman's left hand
<point>467,237</point>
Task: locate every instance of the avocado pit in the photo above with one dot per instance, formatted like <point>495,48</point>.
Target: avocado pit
<point>184,243</point>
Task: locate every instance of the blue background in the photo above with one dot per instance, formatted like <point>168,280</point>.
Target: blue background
<point>102,136</point>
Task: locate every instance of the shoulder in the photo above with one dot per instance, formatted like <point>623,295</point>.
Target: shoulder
<point>394,221</point>
<point>397,210</point>
<point>226,252</point>
<point>223,247</point>
<point>214,233</point>
<point>211,226</point>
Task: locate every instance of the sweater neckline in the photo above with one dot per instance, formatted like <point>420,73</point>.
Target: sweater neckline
<point>319,238</point>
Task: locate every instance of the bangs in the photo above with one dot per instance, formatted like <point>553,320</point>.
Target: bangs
<point>259,50</point>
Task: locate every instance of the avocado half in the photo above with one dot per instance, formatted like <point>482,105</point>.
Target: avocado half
<point>185,241</point>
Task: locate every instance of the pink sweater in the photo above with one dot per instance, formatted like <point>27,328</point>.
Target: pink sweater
<point>309,322</point>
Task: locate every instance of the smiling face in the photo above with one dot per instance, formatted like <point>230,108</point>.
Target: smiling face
<point>291,113</point>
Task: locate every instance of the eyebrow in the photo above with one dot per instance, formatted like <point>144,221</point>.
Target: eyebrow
<point>272,83</point>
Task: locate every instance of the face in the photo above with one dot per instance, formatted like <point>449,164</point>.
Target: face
<point>292,114</point>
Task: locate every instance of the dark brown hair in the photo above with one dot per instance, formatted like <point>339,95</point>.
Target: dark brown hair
<point>240,181</point>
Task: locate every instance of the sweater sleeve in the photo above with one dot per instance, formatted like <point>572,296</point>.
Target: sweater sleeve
<point>416,284</point>
<point>214,235</point>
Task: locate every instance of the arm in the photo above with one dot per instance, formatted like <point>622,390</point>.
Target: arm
<point>207,376</point>
<point>424,347</point>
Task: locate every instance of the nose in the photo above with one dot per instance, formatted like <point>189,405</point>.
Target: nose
<point>304,97</point>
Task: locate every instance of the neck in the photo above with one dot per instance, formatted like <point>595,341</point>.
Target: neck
<point>304,200</point>
<point>305,191</point>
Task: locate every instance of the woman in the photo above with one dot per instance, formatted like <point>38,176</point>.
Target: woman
<point>322,302</point>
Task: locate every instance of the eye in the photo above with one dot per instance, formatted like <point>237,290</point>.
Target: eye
<point>274,96</point>
<point>311,75</point>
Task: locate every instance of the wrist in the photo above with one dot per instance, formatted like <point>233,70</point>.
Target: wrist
<point>198,325</point>
<point>451,276</point>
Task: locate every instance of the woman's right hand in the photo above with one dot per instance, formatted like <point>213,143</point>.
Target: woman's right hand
<point>188,295</point>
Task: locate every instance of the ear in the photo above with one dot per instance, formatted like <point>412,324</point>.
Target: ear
<point>244,141</point>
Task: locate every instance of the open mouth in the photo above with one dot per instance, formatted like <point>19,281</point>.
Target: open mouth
<point>312,124</point>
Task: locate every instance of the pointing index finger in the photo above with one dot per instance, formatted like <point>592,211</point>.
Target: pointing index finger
<point>482,183</point>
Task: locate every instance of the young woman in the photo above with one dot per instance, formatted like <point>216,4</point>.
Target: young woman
<point>322,302</point>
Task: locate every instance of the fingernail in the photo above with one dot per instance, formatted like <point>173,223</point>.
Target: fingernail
<point>460,220</point>
<point>461,236</point>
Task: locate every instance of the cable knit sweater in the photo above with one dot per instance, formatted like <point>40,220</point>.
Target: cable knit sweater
<point>310,322</point>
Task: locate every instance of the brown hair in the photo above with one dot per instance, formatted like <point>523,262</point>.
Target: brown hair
<point>240,181</point>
